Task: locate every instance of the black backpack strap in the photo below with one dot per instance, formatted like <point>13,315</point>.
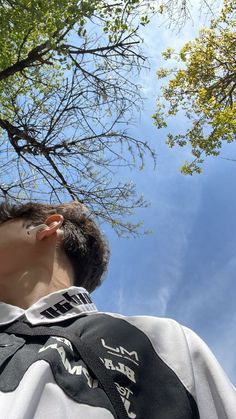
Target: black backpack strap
<point>87,355</point>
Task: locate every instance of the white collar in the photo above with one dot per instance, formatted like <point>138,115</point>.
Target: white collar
<point>53,308</point>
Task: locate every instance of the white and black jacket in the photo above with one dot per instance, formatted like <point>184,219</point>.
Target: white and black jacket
<point>63,359</point>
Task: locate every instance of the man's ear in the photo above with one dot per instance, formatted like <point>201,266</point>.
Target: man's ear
<point>53,224</point>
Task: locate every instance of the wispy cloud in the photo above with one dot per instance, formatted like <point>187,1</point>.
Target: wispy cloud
<point>170,273</point>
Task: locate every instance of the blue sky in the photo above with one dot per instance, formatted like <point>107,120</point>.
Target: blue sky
<point>186,268</point>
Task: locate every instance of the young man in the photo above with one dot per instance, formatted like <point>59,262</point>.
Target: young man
<point>61,358</point>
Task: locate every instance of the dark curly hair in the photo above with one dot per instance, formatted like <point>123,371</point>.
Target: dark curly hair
<point>83,243</point>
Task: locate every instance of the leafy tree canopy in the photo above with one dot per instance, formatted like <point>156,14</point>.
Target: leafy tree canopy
<point>68,95</point>
<point>66,100</point>
<point>204,87</point>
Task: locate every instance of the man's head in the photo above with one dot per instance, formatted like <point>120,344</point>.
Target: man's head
<point>78,236</point>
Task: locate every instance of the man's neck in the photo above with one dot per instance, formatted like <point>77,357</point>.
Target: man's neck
<point>23,289</point>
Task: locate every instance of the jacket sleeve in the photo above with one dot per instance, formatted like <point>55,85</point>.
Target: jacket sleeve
<point>214,393</point>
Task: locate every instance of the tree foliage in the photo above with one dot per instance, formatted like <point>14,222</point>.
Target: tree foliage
<point>68,94</point>
<point>204,87</point>
<point>66,99</point>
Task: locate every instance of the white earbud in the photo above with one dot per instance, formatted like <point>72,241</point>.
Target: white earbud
<point>34,230</point>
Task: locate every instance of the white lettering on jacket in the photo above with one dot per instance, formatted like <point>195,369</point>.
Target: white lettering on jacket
<point>125,392</point>
<point>76,369</point>
<point>119,367</point>
<point>122,352</point>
